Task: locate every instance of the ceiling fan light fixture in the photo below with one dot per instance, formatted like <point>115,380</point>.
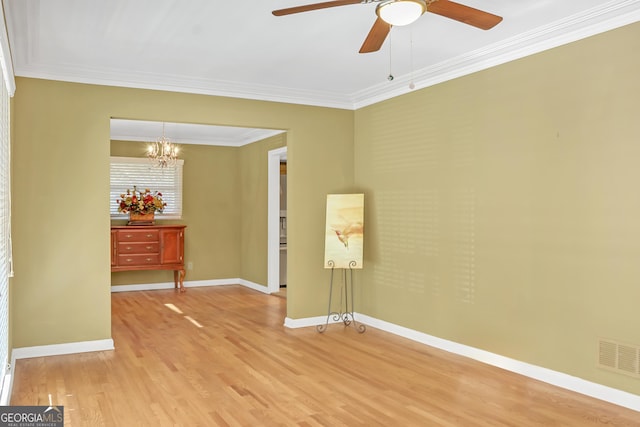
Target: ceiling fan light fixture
<point>401,12</point>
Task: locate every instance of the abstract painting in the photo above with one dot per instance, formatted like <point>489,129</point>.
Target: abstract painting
<point>344,233</point>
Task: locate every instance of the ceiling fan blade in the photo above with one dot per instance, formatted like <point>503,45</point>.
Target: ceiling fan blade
<point>376,36</point>
<point>464,14</point>
<point>315,6</point>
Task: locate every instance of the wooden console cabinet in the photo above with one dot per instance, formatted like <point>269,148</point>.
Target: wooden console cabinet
<point>149,247</point>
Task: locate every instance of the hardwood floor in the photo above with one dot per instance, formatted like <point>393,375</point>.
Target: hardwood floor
<point>226,360</point>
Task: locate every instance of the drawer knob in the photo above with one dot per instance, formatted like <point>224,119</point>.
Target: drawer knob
<point>149,235</point>
<point>128,248</point>
<point>149,247</point>
<point>149,259</point>
<point>129,260</point>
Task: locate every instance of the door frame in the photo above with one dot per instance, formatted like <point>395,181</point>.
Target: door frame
<point>273,218</point>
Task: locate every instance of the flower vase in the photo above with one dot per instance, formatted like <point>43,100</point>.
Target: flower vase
<point>137,218</point>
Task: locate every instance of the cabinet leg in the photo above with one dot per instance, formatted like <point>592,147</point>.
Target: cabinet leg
<point>178,279</point>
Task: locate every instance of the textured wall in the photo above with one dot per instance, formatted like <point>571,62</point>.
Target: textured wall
<point>502,207</point>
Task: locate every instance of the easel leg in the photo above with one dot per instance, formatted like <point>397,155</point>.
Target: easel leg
<point>322,328</point>
<point>346,313</point>
<point>359,326</point>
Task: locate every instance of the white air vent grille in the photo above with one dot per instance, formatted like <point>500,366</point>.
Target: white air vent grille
<point>621,358</point>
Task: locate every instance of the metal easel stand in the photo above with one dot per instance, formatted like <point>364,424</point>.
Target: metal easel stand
<point>346,301</point>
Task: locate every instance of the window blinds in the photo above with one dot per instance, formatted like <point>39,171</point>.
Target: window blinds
<point>5,232</point>
<point>127,172</point>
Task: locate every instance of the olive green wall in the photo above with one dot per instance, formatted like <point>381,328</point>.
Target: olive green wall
<point>60,183</point>
<point>253,194</point>
<point>211,211</point>
<point>502,208</point>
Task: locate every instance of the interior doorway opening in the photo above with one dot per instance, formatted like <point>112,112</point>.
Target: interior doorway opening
<point>275,223</point>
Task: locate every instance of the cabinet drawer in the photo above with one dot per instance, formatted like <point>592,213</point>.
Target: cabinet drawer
<point>134,260</point>
<point>138,236</point>
<point>138,248</point>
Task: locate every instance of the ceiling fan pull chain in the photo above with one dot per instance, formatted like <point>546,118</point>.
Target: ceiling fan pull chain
<point>412,85</point>
<point>390,77</point>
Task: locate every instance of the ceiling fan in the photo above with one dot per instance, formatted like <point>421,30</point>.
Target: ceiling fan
<point>403,12</point>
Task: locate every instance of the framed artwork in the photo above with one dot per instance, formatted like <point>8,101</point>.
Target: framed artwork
<point>344,231</point>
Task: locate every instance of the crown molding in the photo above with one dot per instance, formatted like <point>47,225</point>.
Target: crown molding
<point>154,81</point>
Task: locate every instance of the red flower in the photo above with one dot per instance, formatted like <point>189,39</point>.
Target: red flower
<point>142,202</point>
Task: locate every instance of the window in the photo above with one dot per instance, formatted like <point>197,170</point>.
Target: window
<point>5,237</point>
<point>129,171</point>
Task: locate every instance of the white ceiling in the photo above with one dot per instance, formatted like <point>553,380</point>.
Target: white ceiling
<point>238,48</point>
<point>186,133</point>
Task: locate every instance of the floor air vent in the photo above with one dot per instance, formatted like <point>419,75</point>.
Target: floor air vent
<point>619,357</point>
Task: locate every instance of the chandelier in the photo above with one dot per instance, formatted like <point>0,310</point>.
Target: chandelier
<point>401,12</point>
<point>162,153</point>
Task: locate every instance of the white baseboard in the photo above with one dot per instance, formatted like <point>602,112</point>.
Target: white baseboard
<point>190,284</point>
<point>309,321</point>
<point>559,379</point>
<point>58,349</point>
<point>171,285</point>
<point>255,286</point>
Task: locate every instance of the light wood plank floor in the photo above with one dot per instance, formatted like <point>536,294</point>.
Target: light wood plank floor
<point>243,368</point>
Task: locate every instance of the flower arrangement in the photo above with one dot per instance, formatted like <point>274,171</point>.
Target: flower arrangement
<point>143,202</point>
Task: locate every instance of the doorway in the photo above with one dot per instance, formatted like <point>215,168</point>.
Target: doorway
<point>274,221</point>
